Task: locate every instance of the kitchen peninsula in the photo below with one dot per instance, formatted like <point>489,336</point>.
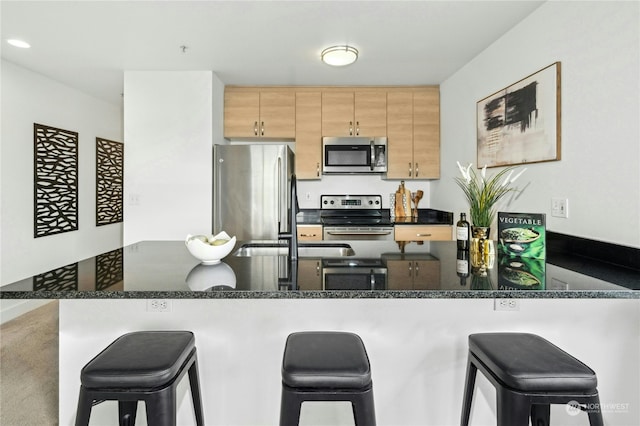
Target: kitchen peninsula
<point>415,330</point>
<point>165,269</point>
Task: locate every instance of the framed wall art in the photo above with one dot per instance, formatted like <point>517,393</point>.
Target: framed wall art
<point>521,123</point>
<point>55,180</point>
<point>109,181</point>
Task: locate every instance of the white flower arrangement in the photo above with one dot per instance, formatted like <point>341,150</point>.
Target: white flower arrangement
<point>482,193</point>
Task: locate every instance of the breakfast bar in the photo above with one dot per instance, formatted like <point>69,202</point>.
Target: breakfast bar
<point>414,322</point>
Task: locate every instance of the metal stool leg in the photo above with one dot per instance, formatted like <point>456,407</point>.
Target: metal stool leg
<point>85,402</point>
<point>513,409</point>
<point>127,412</point>
<point>363,409</point>
<point>194,383</point>
<point>290,406</point>
<point>595,416</point>
<point>469,385</point>
<point>161,408</point>
<point>540,414</point>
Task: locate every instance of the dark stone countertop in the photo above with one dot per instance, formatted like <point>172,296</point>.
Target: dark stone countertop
<point>165,269</point>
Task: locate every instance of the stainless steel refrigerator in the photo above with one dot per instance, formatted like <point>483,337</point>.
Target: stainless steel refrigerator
<point>251,190</point>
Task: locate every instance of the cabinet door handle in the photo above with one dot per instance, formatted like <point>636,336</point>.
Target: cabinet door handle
<point>317,169</point>
<point>409,169</point>
<point>351,128</point>
<point>262,128</point>
<point>358,233</point>
<point>423,235</point>
<point>308,235</point>
<point>255,128</point>
<point>417,269</point>
<point>357,128</point>
<point>417,171</point>
<point>410,268</point>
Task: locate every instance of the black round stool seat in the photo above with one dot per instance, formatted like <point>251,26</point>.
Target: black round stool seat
<point>326,366</point>
<point>144,365</point>
<point>529,373</point>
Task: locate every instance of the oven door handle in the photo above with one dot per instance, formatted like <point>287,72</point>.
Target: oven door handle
<point>358,233</point>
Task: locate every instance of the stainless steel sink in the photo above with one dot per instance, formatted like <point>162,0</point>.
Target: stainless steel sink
<point>304,250</point>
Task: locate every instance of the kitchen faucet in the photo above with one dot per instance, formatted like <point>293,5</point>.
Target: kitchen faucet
<point>292,235</point>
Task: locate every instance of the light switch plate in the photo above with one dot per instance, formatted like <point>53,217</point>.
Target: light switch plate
<point>560,207</point>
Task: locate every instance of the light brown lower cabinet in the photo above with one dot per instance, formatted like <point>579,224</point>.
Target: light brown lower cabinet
<point>413,274</point>
<point>309,232</point>
<point>309,274</point>
<point>423,233</point>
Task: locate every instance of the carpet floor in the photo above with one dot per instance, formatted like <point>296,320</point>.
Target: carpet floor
<point>29,368</point>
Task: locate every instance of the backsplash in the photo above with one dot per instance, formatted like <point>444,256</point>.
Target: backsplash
<point>309,191</point>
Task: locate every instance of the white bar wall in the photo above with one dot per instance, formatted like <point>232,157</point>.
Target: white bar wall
<point>417,349</point>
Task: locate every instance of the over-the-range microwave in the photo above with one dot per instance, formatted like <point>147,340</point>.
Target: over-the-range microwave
<point>354,155</point>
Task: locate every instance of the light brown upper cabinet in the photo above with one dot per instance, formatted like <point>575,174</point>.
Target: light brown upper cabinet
<point>354,113</point>
<point>413,134</point>
<point>256,113</point>
<point>308,135</point>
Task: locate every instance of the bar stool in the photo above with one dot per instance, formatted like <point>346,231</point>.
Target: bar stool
<point>326,366</point>
<point>529,373</point>
<point>143,365</point>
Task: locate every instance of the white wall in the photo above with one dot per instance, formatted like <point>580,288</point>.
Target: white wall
<point>417,349</point>
<point>29,98</point>
<point>598,46</point>
<point>168,132</point>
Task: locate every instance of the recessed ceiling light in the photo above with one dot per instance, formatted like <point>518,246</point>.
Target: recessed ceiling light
<point>339,55</point>
<point>18,43</point>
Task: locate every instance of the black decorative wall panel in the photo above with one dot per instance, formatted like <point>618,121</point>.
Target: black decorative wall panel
<point>55,180</point>
<point>109,269</point>
<point>109,181</point>
<point>65,278</point>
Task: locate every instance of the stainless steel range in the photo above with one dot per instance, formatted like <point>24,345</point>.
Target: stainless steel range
<point>355,217</point>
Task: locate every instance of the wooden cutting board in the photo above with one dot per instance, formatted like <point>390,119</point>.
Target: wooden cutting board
<point>403,201</point>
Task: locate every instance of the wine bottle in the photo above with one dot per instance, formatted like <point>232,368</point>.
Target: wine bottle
<point>462,232</point>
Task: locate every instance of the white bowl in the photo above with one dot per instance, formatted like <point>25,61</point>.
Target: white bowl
<point>199,247</point>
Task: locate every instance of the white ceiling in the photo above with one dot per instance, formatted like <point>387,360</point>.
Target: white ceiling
<point>88,44</point>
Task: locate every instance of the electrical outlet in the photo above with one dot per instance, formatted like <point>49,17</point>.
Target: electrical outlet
<point>308,195</point>
<point>158,305</point>
<point>560,207</point>
<point>134,199</point>
<point>506,305</point>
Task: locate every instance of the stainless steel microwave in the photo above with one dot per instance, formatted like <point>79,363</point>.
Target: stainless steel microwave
<point>354,155</point>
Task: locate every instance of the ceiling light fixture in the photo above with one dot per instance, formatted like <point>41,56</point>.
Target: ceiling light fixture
<point>339,56</point>
<point>18,43</point>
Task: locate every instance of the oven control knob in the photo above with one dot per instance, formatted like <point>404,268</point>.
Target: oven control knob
<point>370,202</point>
<point>377,202</point>
<point>324,202</point>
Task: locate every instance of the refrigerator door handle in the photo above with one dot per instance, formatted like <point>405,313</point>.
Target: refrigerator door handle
<point>280,186</point>
<point>217,220</point>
